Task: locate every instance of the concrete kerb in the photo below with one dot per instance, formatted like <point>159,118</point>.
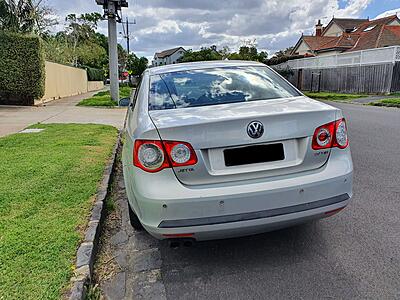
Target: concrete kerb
<point>88,248</point>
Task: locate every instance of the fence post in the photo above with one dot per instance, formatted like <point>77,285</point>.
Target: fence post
<point>319,81</point>
<point>312,81</point>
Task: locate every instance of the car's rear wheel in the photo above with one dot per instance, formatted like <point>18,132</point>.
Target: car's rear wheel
<point>134,220</point>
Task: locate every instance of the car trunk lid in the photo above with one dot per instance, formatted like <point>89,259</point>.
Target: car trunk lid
<point>227,153</point>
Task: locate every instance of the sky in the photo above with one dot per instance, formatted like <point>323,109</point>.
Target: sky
<point>272,24</point>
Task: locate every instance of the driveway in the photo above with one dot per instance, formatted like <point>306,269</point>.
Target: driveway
<point>15,118</point>
<point>353,255</point>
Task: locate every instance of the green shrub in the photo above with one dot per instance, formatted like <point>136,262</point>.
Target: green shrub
<point>22,73</point>
<point>95,74</point>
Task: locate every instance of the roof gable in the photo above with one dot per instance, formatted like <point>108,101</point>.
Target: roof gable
<point>390,36</point>
<point>168,52</point>
<point>345,24</point>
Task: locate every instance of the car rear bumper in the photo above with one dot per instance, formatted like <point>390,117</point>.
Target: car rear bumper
<point>248,227</point>
<point>223,219</point>
<point>165,206</point>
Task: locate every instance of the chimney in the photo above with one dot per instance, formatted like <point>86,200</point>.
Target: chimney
<point>318,29</point>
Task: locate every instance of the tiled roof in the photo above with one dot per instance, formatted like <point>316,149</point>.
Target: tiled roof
<point>367,35</point>
<point>315,42</point>
<point>166,53</point>
<point>383,21</point>
<point>345,41</point>
<point>373,34</point>
<point>348,23</point>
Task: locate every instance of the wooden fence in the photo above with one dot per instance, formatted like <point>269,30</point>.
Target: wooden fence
<point>396,78</point>
<point>363,79</point>
<point>372,71</point>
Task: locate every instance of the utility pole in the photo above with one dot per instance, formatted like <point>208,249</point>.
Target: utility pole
<point>125,32</point>
<point>111,8</point>
<point>113,52</point>
<point>127,37</point>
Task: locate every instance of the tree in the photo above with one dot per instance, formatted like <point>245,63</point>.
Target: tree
<point>89,48</point>
<point>122,56</point>
<point>91,55</point>
<point>79,44</point>
<point>284,53</point>
<point>58,49</point>
<point>249,53</point>
<point>224,52</point>
<point>282,56</point>
<point>84,27</point>
<point>203,54</point>
<point>26,16</point>
<point>136,65</point>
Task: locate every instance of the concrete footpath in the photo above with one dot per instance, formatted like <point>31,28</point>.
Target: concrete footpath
<point>15,118</point>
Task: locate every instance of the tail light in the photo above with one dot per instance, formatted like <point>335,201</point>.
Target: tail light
<point>153,156</point>
<point>331,135</point>
<point>341,139</point>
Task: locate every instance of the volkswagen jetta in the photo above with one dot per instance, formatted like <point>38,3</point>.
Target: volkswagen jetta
<point>230,148</point>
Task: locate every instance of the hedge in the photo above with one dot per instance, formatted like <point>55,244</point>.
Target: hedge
<point>22,72</point>
<point>95,74</point>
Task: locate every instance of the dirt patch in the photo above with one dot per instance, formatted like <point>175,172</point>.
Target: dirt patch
<point>106,265</point>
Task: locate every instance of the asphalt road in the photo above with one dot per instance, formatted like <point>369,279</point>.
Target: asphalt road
<point>353,255</point>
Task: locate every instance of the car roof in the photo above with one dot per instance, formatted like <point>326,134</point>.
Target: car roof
<point>201,65</point>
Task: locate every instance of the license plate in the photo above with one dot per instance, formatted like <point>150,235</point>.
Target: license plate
<point>253,154</point>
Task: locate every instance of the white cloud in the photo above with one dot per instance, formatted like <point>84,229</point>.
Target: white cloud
<point>389,13</point>
<point>275,24</point>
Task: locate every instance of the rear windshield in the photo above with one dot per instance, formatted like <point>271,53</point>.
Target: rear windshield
<point>216,86</point>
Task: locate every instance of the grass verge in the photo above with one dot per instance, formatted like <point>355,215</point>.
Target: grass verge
<point>48,181</point>
<point>104,99</point>
<point>333,96</point>
<point>387,102</point>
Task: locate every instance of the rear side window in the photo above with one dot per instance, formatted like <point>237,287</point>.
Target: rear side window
<point>216,86</point>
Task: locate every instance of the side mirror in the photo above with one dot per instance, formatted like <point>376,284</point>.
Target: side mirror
<point>124,102</point>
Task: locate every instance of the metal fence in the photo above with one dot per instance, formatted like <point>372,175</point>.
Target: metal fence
<point>356,58</point>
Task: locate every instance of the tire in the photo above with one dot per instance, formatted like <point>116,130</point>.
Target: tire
<point>134,220</point>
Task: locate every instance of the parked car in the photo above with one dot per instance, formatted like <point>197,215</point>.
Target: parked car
<point>230,148</point>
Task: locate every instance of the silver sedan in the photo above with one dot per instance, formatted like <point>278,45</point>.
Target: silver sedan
<point>230,148</point>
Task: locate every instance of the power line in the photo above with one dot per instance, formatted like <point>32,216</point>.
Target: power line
<point>126,34</point>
